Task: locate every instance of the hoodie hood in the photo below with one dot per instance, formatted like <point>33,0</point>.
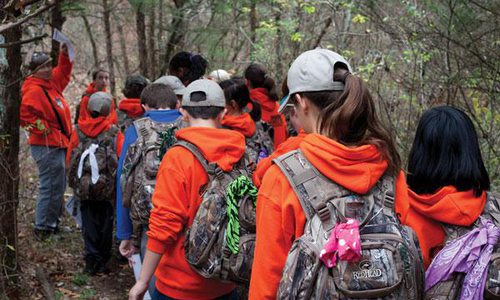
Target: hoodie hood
<point>242,123</point>
<point>92,127</point>
<point>428,213</point>
<point>267,104</point>
<point>132,107</point>
<point>357,169</point>
<point>222,146</point>
<point>31,81</point>
<point>92,89</point>
<point>449,206</point>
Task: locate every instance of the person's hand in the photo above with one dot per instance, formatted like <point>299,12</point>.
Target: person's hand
<point>64,49</point>
<point>138,290</point>
<point>126,248</point>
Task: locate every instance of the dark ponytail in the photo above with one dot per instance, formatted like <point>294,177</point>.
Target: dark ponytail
<point>198,68</point>
<point>238,92</point>
<point>256,74</point>
<point>350,117</point>
<point>194,66</point>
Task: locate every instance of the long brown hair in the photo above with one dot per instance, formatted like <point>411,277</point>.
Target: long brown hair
<point>257,75</point>
<point>350,117</point>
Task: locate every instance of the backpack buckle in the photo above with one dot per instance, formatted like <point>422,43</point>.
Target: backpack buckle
<point>323,212</point>
<point>218,173</point>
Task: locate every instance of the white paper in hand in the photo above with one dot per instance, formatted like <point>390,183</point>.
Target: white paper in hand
<point>61,38</point>
<point>137,266</point>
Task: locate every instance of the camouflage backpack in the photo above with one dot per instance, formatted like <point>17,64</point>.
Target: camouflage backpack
<point>140,167</point>
<point>391,265</point>
<point>124,120</point>
<point>451,288</point>
<point>220,242</point>
<point>97,184</point>
<point>258,144</point>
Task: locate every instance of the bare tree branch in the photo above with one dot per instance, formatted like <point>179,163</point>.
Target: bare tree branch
<point>36,38</point>
<point>11,25</point>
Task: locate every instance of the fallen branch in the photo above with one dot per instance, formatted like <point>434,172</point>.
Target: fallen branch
<point>11,25</point>
<point>36,38</point>
<point>47,289</point>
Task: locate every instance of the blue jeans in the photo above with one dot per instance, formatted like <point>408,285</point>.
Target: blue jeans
<point>159,296</point>
<point>51,163</point>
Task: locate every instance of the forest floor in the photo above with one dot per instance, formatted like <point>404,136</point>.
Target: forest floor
<point>60,258</point>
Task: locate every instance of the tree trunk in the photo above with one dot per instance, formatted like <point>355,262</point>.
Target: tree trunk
<point>10,99</point>
<point>141,40</point>
<point>93,44</point>
<point>109,45</point>
<point>123,48</point>
<point>56,22</point>
<point>253,28</point>
<point>176,35</point>
<point>151,42</point>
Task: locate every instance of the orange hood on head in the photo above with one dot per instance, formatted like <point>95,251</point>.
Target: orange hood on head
<point>267,104</point>
<point>131,106</point>
<point>242,123</point>
<point>92,127</point>
<point>222,146</point>
<point>447,205</point>
<point>357,169</point>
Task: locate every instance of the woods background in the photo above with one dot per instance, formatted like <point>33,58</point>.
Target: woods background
<point>413,54</point>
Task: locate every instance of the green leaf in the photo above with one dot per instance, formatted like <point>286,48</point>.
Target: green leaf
<point>359,19</point>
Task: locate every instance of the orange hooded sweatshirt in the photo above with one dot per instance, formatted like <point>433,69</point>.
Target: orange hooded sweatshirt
<point>447,205</point>
<point>37,113</point>
<point>92,127</point>
<point>84,113</point>
<point>270,114</point>
<point>242,123</point>
<point>175,202</point>
<point>290,144</point>
<point>280,218</point>
<point>132,107</point>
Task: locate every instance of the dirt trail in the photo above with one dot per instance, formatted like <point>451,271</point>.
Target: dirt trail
<point>61,256</point>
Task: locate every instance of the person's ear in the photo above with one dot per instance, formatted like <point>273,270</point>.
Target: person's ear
<point>185,115</point>
<point>221,115</point>
<point>301,103</point>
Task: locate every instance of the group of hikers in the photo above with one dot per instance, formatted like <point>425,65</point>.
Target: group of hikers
<point>229,191</point>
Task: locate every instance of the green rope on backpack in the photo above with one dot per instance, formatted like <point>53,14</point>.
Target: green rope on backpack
<point>235,191</point>
<point>166,140</point>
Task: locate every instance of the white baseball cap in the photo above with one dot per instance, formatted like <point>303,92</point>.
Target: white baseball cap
<point>214,95</point>
<point>313,71</point>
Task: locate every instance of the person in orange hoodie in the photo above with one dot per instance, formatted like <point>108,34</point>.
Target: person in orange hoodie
<point>237,99</point>
<point>446,177</point>
<point>291,143</point>
<point>263,90</point>
<point>97,208</point>
<point>100,82</point>
<point>45,115</point>
<point>346,142</point>
<point>130,108</point>
<point>176,198</point>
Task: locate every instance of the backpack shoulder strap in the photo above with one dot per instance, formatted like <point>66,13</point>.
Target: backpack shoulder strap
<point>492,207</point>
<point>312,188</point>
<point>211,168</point>
<point>387,187</point>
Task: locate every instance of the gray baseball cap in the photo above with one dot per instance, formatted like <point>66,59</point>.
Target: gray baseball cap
<point>100,102</point>
<point>173,82</point>
<point>213,94</point>
<point>313,71</point>
<point>38,59</point>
